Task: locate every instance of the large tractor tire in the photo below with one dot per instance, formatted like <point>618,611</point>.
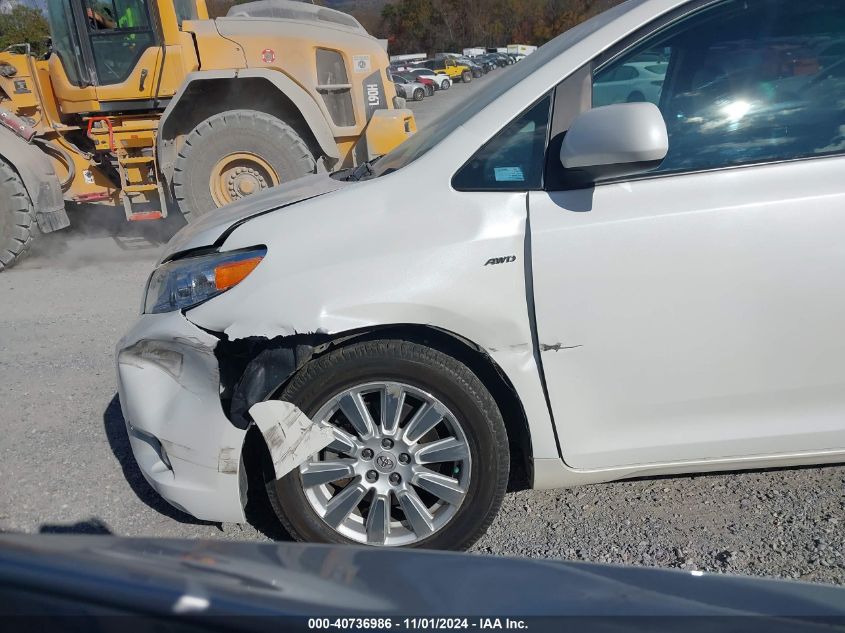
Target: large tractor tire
<point>235,154</point>
<point>17,218</point>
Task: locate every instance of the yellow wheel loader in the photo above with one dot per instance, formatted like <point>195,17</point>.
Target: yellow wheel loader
<point>152,106</point>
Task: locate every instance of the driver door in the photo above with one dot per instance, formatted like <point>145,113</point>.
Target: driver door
<point>124,47</point>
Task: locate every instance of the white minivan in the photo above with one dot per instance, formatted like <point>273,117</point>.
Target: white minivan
<point>597,290</point>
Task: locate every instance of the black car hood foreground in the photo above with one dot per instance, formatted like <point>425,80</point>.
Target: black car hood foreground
<point>206,581</point>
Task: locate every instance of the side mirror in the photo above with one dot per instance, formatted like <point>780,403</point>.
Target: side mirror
<point>614,141</point>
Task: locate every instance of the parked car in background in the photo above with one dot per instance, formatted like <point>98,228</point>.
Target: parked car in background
<point>441,81</point>
<point>428,84</point>
<point>491,60</point>
<point>450,68</point>
<point>598,289</point>
<point>485,62</point>
<point>505,57</point>
<point>477,69</point>
<point>631,82</point>
<point>411,90</point>
<point>500,59</point>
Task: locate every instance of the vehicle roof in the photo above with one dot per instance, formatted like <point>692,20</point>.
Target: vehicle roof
<point>295,11</point>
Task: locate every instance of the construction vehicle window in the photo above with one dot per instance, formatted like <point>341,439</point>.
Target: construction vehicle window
<point>185,10</point>
<point>64,38</point>
<point>333,84</point>
<point>120,32</point>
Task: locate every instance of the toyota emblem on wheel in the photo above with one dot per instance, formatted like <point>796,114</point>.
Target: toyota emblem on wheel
<point>384,462</point>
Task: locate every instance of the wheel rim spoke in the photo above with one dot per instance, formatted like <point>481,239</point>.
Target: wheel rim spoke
<point>343,442</point>
<point>418,516</point>
<point>378,521</point>
<point>425,419</point>
<point>356,412</point>
<point>319,473</point>
<point>343,503</point>
<point>449,449</point>
<point>446,488</point>
<point>392,401</point>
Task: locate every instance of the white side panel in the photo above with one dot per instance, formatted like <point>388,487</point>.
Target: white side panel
<point>704,314</point>
<point>402,257</point>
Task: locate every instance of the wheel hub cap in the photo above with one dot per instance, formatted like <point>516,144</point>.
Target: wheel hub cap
<point>245,181</point>
<point>238,175</point>
<point>386,462</point>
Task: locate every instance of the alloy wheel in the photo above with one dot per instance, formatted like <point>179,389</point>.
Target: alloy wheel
<point>399,467</point>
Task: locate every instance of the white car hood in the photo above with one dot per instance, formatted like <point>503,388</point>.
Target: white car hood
<point>210,227</point>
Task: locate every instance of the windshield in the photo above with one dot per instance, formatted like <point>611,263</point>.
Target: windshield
<point>444,125</point>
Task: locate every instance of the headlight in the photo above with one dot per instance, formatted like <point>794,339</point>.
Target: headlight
<point>188,282</point>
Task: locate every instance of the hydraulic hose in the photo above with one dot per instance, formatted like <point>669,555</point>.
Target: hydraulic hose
<point>63,156</point>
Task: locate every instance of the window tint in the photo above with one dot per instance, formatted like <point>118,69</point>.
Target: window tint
<point>65,40</point>
<point>745,82</point>
<point>513,159</point>
<point>120,32</point>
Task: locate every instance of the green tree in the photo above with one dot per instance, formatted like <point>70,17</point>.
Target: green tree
<point>24,25</point>
<point>431,26</point>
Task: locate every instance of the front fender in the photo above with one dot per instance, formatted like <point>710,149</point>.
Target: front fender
<point>308,108</point>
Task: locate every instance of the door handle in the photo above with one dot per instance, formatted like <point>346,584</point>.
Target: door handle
<point>144,74</point>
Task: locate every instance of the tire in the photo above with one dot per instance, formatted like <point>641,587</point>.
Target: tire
<point>437,375</point>
<point>636,97</point>
<point>446,85</point>
<point>466,76</point>
<point>17,218</point>
<point>273,151</point>
<point>419,94</point>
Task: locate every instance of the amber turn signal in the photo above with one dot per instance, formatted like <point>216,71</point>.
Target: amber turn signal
<point>233,273</point>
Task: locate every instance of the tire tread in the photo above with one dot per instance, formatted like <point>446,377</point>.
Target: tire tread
<point>16,243</point>
<point>266,124</point>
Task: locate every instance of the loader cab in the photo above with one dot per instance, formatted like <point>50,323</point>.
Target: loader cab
<point>108,54</point>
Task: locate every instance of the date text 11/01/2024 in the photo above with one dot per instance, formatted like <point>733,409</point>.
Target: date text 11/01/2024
<point>417,623</point>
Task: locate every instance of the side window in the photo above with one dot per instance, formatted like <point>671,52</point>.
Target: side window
<point>513,159</point>
<point>120,32</point>
<point>740,82</point>
<point>185,10</point>
<point>65,40</point>
<point>333,84</point>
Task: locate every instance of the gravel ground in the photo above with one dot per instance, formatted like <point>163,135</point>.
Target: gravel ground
<point>65,462</point>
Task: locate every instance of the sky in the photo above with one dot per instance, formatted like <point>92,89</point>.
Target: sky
<point>6,5</point>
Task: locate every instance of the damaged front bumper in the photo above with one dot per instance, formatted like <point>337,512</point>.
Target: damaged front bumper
<point>185,446</point>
